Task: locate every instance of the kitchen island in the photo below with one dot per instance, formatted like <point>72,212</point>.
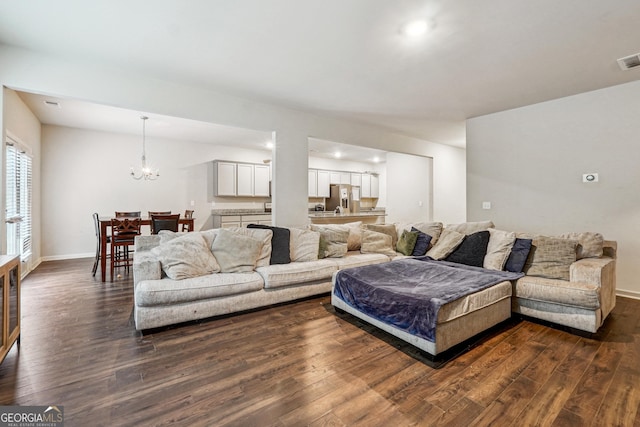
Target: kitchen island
<point>367,217</point>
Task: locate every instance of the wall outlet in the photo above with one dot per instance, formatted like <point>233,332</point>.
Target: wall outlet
<point>590,177</point>
<point>486,205</point>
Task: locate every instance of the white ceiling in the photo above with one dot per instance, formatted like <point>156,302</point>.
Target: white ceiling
<point>348,58</point>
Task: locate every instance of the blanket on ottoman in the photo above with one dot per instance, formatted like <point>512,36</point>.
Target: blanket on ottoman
<point>408,293</point>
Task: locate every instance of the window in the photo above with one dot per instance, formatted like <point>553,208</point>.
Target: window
<point>18,193</point>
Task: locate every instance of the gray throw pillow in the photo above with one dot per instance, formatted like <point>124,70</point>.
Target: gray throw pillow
<point>236,253</point>
<point>374,242</point>
<point>551,257</point>
<point>186,256</point>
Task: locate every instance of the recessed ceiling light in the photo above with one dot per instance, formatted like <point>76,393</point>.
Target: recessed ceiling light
<point>376,159</point>
<point>269,144</point>
<point>415,28</point>
<point>337,154</point>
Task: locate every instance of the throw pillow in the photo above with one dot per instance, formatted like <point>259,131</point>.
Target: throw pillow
<point>263,235</point>
<point>389,229</point>
<point>304,245</point>
<point>407,242</point>
<point>280,241</point>
<point>498,249</point>
<point>470,227</point>
<point>236,253</point>
<point>422,243</point>
<point>590,244</point>
<point>472,250</point>
<point>448,241</point>
<point>433,229</point>
<point>333,240</point>
<point>518,256</point>
<point>374,242</point>
<point>551,257</point>
<point>186,256</point>
<point>355,235</point>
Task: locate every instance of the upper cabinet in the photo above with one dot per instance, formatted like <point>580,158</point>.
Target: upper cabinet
<point>240,179</point>
<point>319,182</point>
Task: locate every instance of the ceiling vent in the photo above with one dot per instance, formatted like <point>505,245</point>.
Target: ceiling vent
<point>629,62</point>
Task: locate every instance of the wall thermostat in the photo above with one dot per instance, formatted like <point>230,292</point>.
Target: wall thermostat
<point>590,177</point>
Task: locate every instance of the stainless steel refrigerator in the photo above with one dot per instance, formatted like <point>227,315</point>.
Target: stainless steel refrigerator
<point>345,197</point>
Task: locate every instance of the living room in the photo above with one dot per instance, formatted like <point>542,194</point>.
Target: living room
<point>527,160</point>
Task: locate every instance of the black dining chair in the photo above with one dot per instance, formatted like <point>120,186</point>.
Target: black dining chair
<point>164,222</point>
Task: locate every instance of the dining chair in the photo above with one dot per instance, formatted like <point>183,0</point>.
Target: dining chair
<point>189,215</point>
<point>123,233</point>
<point>151,213</point>
<point>164,222</point>
<point>128,214</point>
<point>96,223</point>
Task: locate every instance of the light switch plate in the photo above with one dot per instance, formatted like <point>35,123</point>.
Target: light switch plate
<point>486,205</point>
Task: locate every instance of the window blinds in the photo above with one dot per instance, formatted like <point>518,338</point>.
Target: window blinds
<point>18,200</point>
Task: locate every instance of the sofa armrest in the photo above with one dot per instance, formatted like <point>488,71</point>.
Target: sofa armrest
<point>600,272</point>
<point>145,243</point>
<point>610,249</point>
<point>146,266</point>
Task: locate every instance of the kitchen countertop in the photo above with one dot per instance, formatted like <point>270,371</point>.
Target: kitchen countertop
<point>233,212</point>
<point>345,215</point>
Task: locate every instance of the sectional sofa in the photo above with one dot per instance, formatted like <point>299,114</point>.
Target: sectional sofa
<point>180,277</point>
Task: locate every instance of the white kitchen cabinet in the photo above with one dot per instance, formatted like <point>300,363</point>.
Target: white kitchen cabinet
<point>245,179</point>
<point>323,184</point>
<point>224,174</point>
<point>365,188</point>
<point>345,178</point>
<point>261,181</point>
<point>356,179</point>
<point>375,186</point>
<point>334,177</point>
<point>313,183</point>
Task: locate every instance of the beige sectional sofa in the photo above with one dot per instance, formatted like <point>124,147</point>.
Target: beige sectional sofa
<point>582,301</point>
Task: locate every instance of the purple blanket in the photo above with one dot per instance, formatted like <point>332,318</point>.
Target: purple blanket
<point>408,293</point>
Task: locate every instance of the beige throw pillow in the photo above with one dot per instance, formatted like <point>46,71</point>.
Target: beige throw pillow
<point>389,229</point>
<point>591,245</point>
<point>374,242</point>
<point>551,257</point>
<point>355,235</point>
<point>433,229</point>
<point>470,227</point>
<point>304,245</point>
<point>449,240</point>
<point>498,249</point>
<point>333,240</point>
<point>186,256</point>
<point>236,253</point>
<point>263,235</point>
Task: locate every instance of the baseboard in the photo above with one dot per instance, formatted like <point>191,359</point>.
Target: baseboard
<point>628,294</point>
<point>68,256</point>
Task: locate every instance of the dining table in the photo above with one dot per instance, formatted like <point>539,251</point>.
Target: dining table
<point>105,226</point>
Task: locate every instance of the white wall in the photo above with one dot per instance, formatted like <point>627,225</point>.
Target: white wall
<point>528,163</point>
<point>409,188</point>
<point>29,71</point>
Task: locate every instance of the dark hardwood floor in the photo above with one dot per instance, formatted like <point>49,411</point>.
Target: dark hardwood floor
<point>301,364</point>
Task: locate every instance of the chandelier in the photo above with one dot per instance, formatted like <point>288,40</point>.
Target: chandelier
<point>145,171</point>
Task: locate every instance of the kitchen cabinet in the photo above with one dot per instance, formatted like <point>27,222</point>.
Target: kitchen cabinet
<point>365,188</point>
<point>334,177</point>
<point>375,186</point>
<point>240,220</point>
<point>345,178</point>
<point>313,183</point>
<point>9,303</point>
<point>224,175</point>
<point>323,184</point>
<point>356,179</point>
<point>241,179</point>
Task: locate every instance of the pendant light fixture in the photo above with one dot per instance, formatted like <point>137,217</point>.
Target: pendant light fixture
<point>145,171</point>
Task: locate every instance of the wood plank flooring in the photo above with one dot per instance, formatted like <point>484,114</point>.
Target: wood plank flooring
<point>302,364</point>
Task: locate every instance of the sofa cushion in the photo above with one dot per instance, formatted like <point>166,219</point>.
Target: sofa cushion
<point>470,227</point>
<point>355,235</point>
<point>295,273</point>
<point>333,240</point>
<point>263,235</point>
<point>149,293</point>
<point>304,244</point>
<point>236,253</point>
<point>422,243</point>
<point>280,242</point>
<point>472,250</point>
<point>374,242</point>
<point>576,294</point>
<point>407,242</point>
<point>448,241</point>
<point>389,229</point>
<point>433,229</point>
<point>358,259</point>
<point>551,257</point>
<point>591,245</point>
<point>498,249</point>
<point>518,256</point>
<point>186,256</point>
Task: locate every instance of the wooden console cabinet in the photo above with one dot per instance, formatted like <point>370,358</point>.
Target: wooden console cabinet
<point>9,303</point>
